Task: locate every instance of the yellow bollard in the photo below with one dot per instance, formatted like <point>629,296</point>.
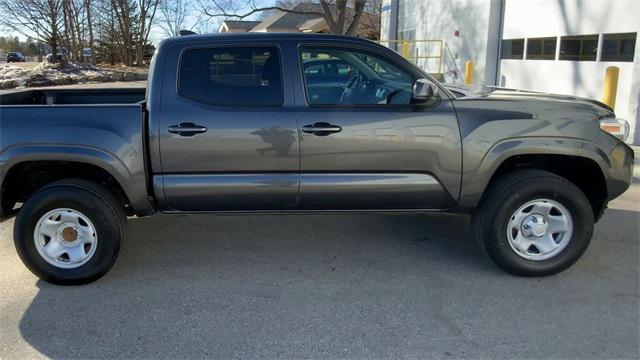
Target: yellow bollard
<point>405,49</point>
<point>610,86</point>
<point>468,72</point>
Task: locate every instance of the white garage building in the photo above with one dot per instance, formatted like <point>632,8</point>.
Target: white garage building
<point>558,46</point>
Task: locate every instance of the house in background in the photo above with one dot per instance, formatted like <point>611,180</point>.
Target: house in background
<point>289,22</point>
<point>292,22</point>
<point>237,26</point>
<point>282,22</point>
<point>555,46</point>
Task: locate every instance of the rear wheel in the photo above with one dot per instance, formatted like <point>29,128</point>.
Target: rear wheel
<point>70,232</point>
<point>534,223</point>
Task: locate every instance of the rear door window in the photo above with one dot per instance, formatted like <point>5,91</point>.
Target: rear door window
<point>236,76</point>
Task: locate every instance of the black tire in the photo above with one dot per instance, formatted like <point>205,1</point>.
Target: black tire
<point>512,191</point>
<point>92,200</point>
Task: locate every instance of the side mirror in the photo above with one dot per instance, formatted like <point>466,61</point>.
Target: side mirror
<point>424,90</point>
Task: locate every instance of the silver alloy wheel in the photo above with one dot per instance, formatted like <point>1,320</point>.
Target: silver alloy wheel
<point>65,238</point>
<point>540,229</point>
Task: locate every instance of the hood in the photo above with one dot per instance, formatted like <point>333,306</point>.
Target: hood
<point>498,93</point>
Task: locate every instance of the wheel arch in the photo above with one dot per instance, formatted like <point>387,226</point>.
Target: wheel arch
<point>581,162</point>
<point>29,168</point>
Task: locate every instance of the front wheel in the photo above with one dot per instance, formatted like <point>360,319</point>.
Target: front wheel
<point>69,232</point>
<point>534,223</point>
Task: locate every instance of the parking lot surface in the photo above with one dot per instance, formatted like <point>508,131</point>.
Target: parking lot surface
<point>327,286</point>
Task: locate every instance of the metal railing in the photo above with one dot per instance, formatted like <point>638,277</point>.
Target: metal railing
<point>451,68</point>
<point>427,54</point>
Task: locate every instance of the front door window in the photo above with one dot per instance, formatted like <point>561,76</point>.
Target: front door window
<point>336,76</point>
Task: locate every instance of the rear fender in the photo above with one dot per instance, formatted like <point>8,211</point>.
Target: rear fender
<point>133,184</point>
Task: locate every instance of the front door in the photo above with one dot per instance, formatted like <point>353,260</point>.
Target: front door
<point>226,139</point>
<point>364,144</point>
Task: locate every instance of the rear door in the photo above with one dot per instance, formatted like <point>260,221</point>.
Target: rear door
<point>227,140</point>
<point>364,144</point>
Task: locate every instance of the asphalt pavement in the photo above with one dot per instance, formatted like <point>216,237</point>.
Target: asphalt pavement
<point>327,287</point>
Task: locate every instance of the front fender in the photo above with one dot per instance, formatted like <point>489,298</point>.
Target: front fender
<point>475,180</point>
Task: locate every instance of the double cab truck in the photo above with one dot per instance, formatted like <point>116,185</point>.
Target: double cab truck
<point>301,123</point>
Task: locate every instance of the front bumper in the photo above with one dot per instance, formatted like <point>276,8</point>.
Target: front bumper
<point>620,174</point>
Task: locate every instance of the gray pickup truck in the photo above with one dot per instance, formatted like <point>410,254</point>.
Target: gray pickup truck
<point>295,123</point>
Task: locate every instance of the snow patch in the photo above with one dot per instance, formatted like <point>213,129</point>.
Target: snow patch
<point>44,74</point>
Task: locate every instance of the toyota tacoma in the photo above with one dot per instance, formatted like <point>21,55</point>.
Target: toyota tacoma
<point>302,123</point>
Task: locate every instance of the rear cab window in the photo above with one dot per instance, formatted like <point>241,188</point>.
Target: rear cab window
<point>232,76</point>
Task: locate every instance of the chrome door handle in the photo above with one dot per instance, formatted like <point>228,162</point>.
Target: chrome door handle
<point>187,129</point>
<point>321,129</point>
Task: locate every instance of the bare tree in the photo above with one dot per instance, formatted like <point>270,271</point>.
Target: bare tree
<point>173,14</point>
<point>73,18</point>
<point>27,17</point>
<point>88,10</point>
<point>60,23</point>
<point>146,15</point>
<point>204,25</point>
<point>124,11</point>
<point>370,21</point>
<point>108,42</point>
<point>285,4</point>
<point>340,18</point>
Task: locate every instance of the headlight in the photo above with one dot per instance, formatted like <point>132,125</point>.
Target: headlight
<point>616,127</point>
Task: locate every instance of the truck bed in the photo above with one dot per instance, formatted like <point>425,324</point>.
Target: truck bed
<point>103,128</point>
<point>73,96</point>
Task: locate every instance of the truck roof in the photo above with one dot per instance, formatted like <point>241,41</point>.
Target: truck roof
<point>261,36</point>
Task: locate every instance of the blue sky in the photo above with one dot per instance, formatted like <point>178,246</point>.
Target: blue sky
<point>157,34</point>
